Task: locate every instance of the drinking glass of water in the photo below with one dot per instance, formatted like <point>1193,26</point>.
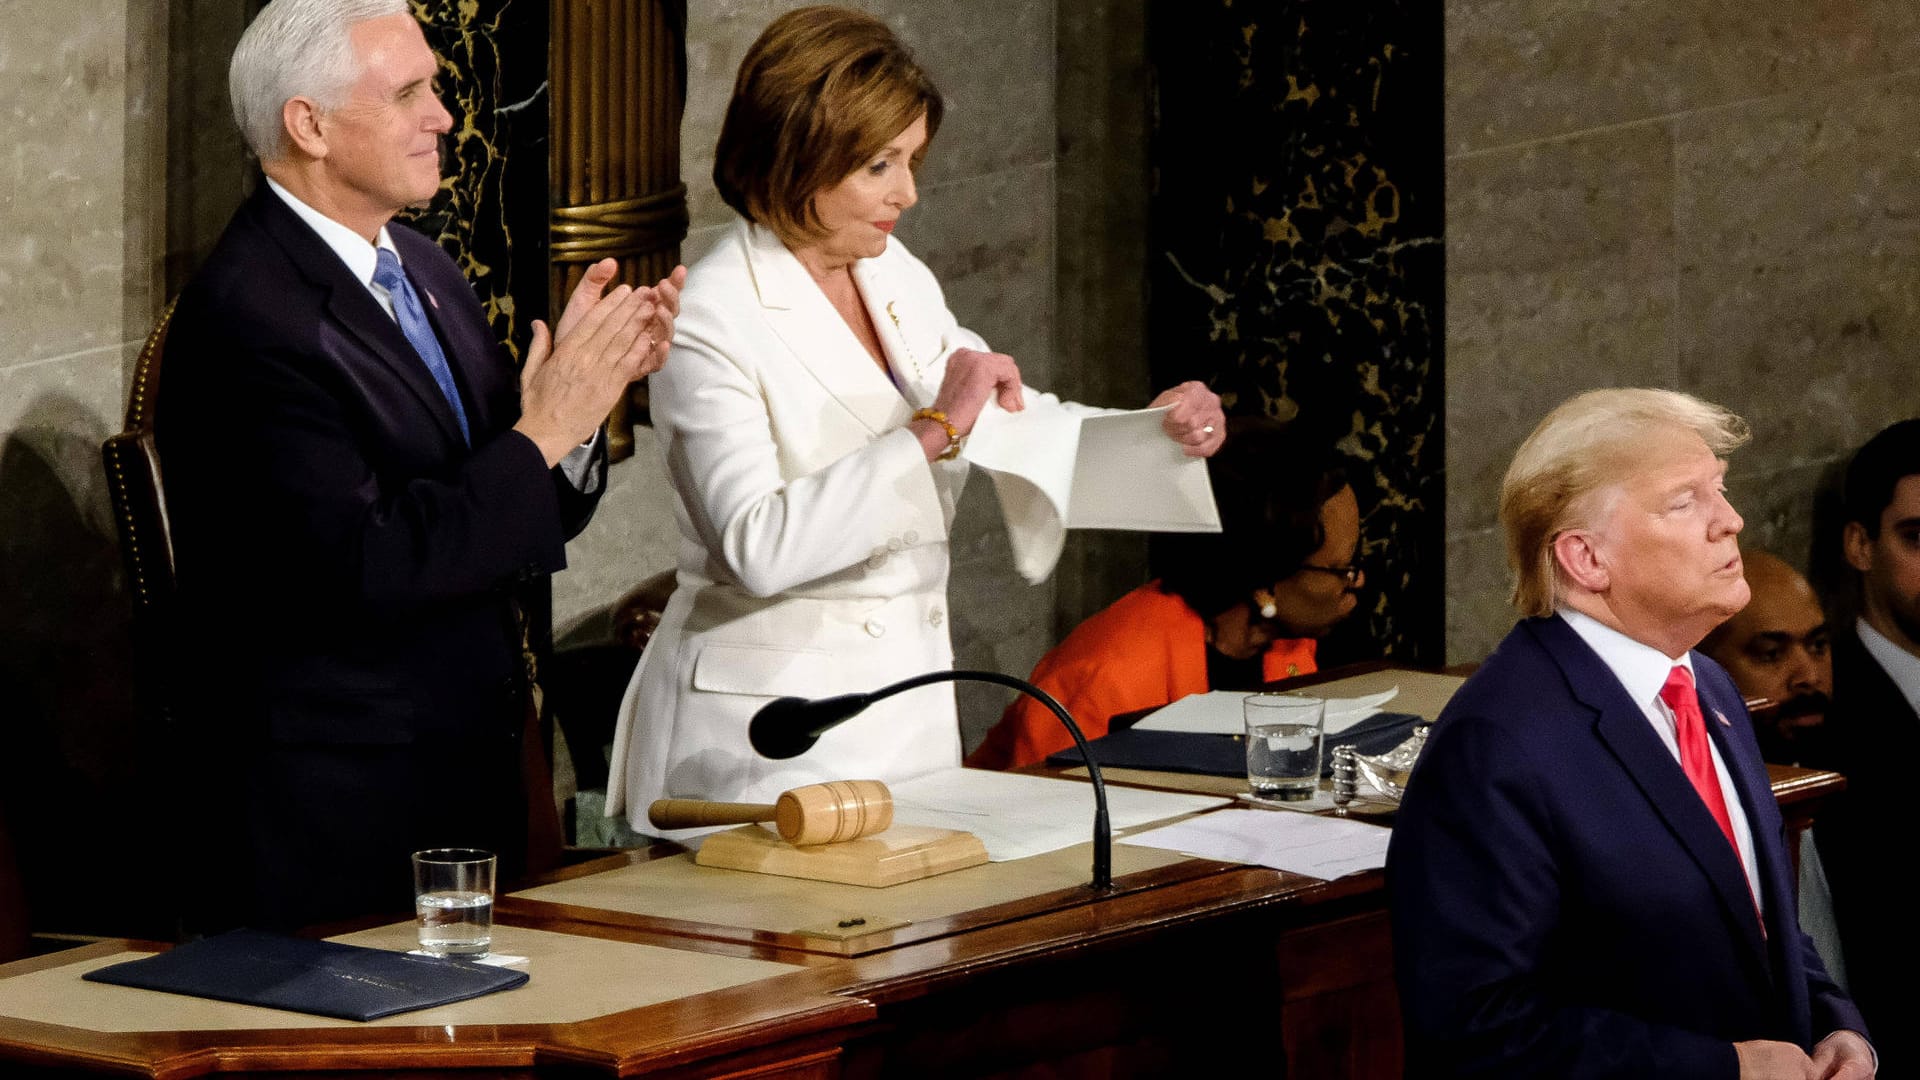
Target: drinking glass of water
<point>453,898</point>
<point>1284,735</point>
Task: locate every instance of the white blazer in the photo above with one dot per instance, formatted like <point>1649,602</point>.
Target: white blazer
<point>813,531</point>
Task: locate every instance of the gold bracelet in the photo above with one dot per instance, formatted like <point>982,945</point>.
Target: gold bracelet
<point>953,434</point>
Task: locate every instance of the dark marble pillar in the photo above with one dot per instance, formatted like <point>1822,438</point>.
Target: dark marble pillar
<point>491,213</point>
<point>1296,258</point>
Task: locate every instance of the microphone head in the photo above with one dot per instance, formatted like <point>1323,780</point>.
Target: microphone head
<point>789,726</point>
<point>782,728</point>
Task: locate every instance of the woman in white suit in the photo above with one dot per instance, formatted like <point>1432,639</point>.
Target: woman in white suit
<point>817,392</point>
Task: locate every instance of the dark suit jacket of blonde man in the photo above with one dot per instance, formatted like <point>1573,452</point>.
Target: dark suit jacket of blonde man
<point>1564,904</point>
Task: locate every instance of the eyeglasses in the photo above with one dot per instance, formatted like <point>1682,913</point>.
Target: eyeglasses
<point>1352,574</point>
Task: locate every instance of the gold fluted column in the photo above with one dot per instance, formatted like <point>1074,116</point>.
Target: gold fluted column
<point>618,71</point>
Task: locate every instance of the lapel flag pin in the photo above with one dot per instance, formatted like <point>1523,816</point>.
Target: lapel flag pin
<point>1722,717</point>
<point>436,307</point>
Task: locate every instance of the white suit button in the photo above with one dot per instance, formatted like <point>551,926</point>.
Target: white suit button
<point>894,544</point>
<point>911,537</point>
<point>876,628</point>
<point>876,562</point>
<point>935,618</point>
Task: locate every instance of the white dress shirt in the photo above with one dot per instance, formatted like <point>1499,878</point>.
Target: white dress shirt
<point>1900,665</point>
<point>1643,670</point>
<point>363,258</point>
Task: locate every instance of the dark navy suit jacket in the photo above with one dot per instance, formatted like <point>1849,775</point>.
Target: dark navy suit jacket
<point>1874,738</point>
<point>1563,903</point>
<point>351,564</point>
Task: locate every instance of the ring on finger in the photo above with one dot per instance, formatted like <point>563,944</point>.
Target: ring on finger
<point>1208,430</point>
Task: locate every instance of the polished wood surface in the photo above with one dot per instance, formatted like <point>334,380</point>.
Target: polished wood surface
<point>1173,972</point>
<point>999,893</point>
<point>901,854</point>
<point>1075,981</point>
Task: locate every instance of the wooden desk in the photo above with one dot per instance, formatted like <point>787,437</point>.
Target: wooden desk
<point>1180,970</point>
<point>1177,966</point>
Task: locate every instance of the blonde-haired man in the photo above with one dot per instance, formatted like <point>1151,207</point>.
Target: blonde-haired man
<point>1588,876</point>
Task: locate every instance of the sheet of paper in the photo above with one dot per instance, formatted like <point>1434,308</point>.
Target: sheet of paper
<point>1219,712</point>
<point>1320,847</point>
<point>1037,445</point>
<point>1016,815</point>
<point>1422,693</point>
<point>1129,475</point>
<point>1055,469</point>
<point>1029,456</point>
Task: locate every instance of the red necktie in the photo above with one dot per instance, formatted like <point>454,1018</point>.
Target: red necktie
<point>1696,753</point>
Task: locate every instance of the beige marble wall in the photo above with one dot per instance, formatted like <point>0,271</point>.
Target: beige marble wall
<point>984,224</point>
<point>81,85</point>
<point>1710,195</point>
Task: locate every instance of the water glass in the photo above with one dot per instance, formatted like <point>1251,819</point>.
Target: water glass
<point>453,899</point>
<point>1284,737</point>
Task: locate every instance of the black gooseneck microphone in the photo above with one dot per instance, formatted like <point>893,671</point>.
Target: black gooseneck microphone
<point>789,726</point>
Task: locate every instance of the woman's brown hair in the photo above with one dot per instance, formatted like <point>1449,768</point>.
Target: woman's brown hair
<point>821,92</point>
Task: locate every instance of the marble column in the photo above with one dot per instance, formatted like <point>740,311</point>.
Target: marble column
<point>491,213</point>
<point>1296,260</point>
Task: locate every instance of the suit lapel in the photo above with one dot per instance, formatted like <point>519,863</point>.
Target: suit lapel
<point>1622,725</point>
<point>472,355</point>
<point>818,337</point>
<point>1742,756</point>
<point>887,309</point>
<point>353,307</point>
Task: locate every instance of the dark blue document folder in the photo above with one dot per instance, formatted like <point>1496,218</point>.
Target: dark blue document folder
<point>325,978</point>
<point>1222,755</point>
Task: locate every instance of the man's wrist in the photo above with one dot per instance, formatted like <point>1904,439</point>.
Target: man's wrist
<point>553,448</point>
<point>1856,1037</point>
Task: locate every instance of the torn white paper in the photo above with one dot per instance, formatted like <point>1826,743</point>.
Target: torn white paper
<point>1056,469</point>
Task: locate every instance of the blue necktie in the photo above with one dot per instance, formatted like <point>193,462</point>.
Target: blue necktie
<point>413,323</point>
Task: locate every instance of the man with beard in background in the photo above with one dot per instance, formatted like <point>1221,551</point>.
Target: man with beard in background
<point>1779,648</point>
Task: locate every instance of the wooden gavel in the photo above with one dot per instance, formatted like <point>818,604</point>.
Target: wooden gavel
<point>815,814</point>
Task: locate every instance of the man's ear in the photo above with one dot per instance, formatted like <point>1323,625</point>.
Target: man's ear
<point>301,117</point>
<point>1856,546</point>
<point>1580,560</point>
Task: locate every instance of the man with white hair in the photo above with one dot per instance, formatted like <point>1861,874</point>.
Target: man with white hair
<point>1588,876</point>
<point>360,484</point>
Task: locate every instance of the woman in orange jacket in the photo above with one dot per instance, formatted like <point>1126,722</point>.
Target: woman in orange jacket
<point>1230,610</point>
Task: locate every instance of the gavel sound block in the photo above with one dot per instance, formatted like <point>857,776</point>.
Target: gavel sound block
<point>839,831</point>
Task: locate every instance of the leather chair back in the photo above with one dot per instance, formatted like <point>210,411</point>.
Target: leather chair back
<point>140,514</point>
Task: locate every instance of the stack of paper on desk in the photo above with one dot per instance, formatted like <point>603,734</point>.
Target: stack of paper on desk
<point>1219,712</point>
<point>1017,815</point>
<point>1056,469</point>
<point>1321,847</point>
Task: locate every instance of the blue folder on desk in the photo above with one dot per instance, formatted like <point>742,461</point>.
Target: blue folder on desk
<point>325,978</point>
<point>1222,755</point>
